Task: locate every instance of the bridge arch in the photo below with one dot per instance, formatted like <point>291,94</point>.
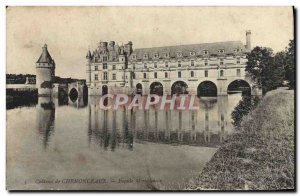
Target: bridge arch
<point>139,88</point>
<point>73,94</point>
<point>156,88</point>
<point>207,89</point>
<point>179,87</point>
<point>239,85</point>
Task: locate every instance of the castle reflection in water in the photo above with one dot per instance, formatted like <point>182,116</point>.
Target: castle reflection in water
<point>121,129</point>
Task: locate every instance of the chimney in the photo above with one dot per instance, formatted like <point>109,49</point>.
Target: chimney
<point>248,40</point>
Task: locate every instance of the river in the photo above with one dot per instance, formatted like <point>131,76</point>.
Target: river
<point>77,145</point>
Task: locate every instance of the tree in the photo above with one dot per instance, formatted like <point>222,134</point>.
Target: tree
<point>290,64</point>
<point>246,105</point>
<point>263,68</point>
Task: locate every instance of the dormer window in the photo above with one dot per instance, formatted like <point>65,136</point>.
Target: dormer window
<point>105,58</point>
<point>156,55</point>
<point>179,64</point>
<point>145,56</point>
<point>166,55</point>
<point>221,51</point>
<point>238,60</point>
<point>179,54</point>
<point>205,62</point>
<point>221,61</point>
<point>205,52</point>
<point>134,56</point>
<point>192,53</point>
<point>192,63</point>
<point>155,64</point>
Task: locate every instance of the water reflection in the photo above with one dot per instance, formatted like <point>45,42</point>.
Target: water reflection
<point>207,126</point>
<point>122,128</point>
<point>45,118</point>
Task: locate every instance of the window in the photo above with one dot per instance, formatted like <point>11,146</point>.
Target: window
<point>133,75</point>
<point>179,64</point>
<point>192,62</point>
<point>104,65</point>
<point>105,76</point>
<point>221,73</point>
<point>96,68</point>
<point>179,54</point>
<point>145,75</point>
<point>155,55</point>
<point>192,74</point>
<point>155,75</point>
<point>192,53</point>
<point>155,64</point>
<point>179,74</point>
<point>114,76</point>
<point>145,65</point>
<point>206,73</point>
<point>105,58</point>
<point>206,62</point>
<point>166,64</point>
<point>114,67</point>
<point>205,51</point>
<point>145,56</point>
<point>238,60</point>
<point>166,75</point>
<point>166,54</point>
<point>96,76</point>
<point>134,56</point>
<point>238,72</point>
<point>221,61</point>
<point>133,66</point>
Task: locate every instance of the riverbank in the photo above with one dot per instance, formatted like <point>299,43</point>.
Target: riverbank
<point>260,156</point>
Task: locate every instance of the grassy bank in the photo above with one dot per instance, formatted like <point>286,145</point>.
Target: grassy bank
<point>260,155</point>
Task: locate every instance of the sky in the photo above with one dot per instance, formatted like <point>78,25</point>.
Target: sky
<point>70,31</point>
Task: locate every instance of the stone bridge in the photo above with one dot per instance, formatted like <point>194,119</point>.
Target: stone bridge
<point>220,85</point>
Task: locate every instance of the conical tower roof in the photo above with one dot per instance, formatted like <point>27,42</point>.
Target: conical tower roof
<point>45,56</point>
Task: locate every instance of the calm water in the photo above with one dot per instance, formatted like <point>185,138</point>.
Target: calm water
<point>53,142</point>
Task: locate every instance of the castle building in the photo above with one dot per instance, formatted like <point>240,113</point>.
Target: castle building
<point>166,70</point>
<point>45,72</point>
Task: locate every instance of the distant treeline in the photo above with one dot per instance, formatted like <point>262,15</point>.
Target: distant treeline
<point>21,79</point>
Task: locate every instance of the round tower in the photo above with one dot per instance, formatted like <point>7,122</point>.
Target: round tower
<point>45,72</point>
<point>88,68</point>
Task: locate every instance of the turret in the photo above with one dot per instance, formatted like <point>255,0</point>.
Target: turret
<point>45,72</point>
<point>248,40</point>
<point>88,67</point>
<point>122,54</point>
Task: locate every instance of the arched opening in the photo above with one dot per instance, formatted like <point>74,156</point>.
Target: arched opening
<point>104,90</point>
<point>156,88</point>
<point>139,88</point>
<point>73,94</point>
<point>239,86</point>
<point>62,97</point>
<point>207,89</point>
<point>179,87</point>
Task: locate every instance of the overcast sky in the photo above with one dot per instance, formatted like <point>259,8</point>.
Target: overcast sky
<point>70,31</point>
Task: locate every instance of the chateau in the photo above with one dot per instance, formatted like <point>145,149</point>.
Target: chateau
<point>193,69</point>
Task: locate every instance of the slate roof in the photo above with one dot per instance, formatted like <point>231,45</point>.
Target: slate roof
<point>212,48</point>
<point>45,56</point>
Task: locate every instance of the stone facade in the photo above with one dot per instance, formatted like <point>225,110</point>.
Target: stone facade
<point>120,69</point>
